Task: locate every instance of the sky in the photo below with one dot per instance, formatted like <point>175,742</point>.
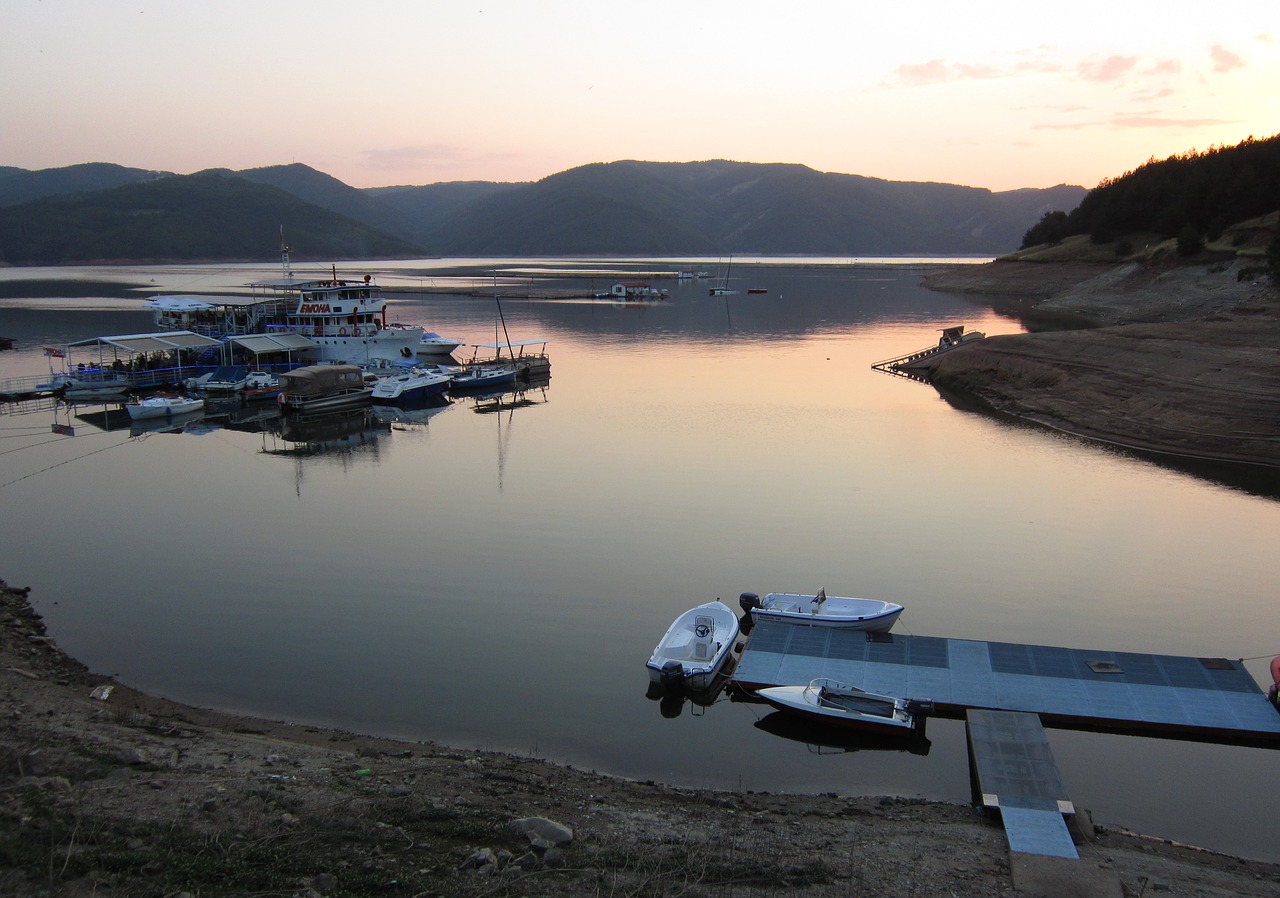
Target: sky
<point>1001,95</point>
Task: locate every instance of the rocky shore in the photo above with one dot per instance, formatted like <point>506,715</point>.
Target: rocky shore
<point>1175,359</point>
<point>107,791</point>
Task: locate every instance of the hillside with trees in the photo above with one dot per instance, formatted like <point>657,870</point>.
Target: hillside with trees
<point>96,213</point>
<point>1192,197</point>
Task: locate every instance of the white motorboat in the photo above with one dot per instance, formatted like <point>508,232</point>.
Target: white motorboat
<point>433,345</point>
<point>840,704</point>
<point>821,609</point>
<point>695,647</point>
<point>162,405</point>
<point>413,385</point>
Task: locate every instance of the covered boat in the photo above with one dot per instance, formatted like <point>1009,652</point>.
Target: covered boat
<point>323,388</point>
<point>695,647</point>
<point>840,704</point>
<point>821,609</point>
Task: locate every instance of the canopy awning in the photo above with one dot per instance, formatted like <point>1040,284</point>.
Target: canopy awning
<point>161,342</point>
<point>283,342</point>
<point>178,304</point>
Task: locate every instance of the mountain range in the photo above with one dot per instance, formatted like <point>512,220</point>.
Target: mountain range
<point>106,212</point>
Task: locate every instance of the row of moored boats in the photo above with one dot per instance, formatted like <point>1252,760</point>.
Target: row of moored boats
<point>701,646</point>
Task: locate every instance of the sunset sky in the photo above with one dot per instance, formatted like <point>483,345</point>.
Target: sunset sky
<point>380,92</point>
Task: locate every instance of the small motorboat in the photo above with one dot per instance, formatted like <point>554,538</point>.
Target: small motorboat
<point>821,609</point>
<point>840,704</point>
<point>695,647</point>
<point>415,385</point>
<point>162,405</point>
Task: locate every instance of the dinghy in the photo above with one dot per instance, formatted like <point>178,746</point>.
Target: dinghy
<point>695,647</point>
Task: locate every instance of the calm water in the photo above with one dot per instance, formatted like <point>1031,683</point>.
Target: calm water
<point>496,579</point>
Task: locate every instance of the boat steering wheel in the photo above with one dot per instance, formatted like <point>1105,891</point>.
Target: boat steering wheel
<point>702,631</point>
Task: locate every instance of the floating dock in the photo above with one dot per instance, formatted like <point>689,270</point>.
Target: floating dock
<point>1204,699</point>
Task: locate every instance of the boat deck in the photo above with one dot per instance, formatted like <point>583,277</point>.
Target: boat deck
<point>1208,699</point>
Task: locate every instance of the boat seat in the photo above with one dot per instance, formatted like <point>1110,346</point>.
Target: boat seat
<point>704,646</point>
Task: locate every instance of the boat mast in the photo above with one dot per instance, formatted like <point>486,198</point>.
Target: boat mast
<point>501,318</point>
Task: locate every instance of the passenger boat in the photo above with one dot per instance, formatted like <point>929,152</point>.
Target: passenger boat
<point>871,615</point>
<point>162,405</point>
<point>323,388</point>
<point>840,704</point>
<point>413,385</point>
<point>695,647</point>
<point>331,319</point>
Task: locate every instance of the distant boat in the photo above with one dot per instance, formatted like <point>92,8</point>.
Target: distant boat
<point>723,288</point>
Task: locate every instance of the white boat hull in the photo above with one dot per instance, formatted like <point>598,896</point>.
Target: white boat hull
<point>845,706</point>
<point>695,647</point>
<point>162,407</point>
<point>871,615</point>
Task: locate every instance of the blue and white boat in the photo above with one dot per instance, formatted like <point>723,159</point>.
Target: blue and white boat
<point>414,385</point>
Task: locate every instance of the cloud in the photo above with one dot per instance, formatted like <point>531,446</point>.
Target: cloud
<point>1165,67</point>
<point>934,71</point>
<point>411,156</point>
<point>1224,60</point>
<point>1264,39</point>
<point>1109,69</point>
<point>1127,122</point>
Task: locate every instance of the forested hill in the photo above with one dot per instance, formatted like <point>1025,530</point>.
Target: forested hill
<point>1194,195</point>
<point>104,212</point>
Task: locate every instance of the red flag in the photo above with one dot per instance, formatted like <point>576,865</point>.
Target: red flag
<point>54,353</point>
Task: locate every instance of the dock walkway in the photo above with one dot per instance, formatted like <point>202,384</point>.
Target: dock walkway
<point>1207,699</point>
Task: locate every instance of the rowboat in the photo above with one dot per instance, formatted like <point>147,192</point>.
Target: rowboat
<point>872,615</point>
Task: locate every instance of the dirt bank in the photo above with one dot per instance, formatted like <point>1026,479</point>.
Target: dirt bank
<point>131,795</point>
<point>1186,364</point>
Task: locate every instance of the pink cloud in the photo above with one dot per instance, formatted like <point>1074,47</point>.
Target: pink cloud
<point>1224,60</point>
<point>931,72</point>
<point>1109,69</point>
<point>1125,122</point>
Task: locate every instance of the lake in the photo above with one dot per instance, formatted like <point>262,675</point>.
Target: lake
<point>494,577</point>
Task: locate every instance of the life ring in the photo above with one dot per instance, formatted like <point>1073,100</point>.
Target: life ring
<point>281,398</point>
<point>342,332</point>
<point>702,631</point>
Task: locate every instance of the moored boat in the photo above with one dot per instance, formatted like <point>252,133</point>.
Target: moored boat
<point>323,388</point>
<point>162,405</point>
<point>414,385</point>
<point>695,647</point>
<point>840,704</point>
<point>872,615</point>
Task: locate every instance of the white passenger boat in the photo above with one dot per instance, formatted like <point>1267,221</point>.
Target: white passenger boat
<point>330,319</point>
<point>695,647</point>
<point>840,704</point>
<point>871,615</point>
<point>162,405</point>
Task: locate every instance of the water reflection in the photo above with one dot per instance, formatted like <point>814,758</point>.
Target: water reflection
<point>831,740</point>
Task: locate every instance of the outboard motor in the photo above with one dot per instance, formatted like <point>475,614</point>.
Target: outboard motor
<point>748,600</point>
<point>672,676</point>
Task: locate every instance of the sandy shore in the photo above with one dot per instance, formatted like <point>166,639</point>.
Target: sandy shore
<point>1180,360</point>
<point>106,791</point>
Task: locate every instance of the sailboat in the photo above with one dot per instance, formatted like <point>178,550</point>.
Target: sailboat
<point>723,289</point>
<point>521,362</point>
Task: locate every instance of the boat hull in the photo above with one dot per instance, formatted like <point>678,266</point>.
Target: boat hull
<point>871,615</point>
<point>315,405</point>
<point>802,701</point>
<point>148,409</point>
<point>695,647</point>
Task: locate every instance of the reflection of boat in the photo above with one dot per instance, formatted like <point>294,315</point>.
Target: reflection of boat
<point>872,615</point>
<point>823,739</point>
<point>162,405</point>
<point>723,289</point>
<point>695,647</point>
<point>316,435</point>
<point>323,388</point>
<point>176,424</point>
<point>413,385</point>
<point>840,704</point>
<point>410,415</point>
